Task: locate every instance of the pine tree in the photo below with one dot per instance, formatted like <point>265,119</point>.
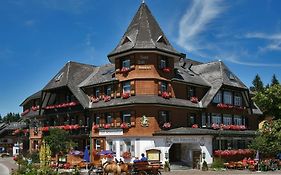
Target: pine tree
<point>258,84</point>
<point>274,80</point>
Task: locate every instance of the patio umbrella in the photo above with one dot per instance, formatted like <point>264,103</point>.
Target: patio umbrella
<point>86,156</point>
<point>106,152</point>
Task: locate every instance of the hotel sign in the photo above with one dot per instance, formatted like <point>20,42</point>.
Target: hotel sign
<point>106,132</point>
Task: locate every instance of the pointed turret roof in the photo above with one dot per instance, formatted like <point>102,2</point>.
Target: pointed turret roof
<point>143,33</point>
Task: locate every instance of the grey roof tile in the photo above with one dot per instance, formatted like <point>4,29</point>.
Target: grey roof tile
<point>71,75</point>
<point>144,33</point>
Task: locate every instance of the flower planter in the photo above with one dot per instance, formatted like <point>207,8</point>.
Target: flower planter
<point>167,69</point>
<point>106,98</point>
<point>125,95</point>
<point>124,70</point>
<point>194,99</point>
<point>166,125</point>
<point>165,95</point>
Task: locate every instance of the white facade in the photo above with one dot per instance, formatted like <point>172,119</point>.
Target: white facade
<point>188,144</point>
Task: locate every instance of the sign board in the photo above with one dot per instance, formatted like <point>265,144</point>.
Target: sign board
<point>153,154</point>
<point>113,132</point>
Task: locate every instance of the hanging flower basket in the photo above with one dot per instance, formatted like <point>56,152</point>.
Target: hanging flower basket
<point>125,95</point>
<point>165,95</point>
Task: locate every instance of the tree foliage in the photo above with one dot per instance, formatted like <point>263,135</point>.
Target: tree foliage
<point>269,101</point>
<point>59,141</point>
<point>10,117</point>
<point>258,84</point>
<point>268,142</point>
<point>274,80</point>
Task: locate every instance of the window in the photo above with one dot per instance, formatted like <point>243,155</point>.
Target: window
<point>108,118</point>
<point>237,99</point>
<point>110,145</point>
<point>192,118</point>
<point>227,97</point>
<point>126,63</point>
<point>218,97</point>
<point>108,90</point>
<point>227,119</point>
<point>164,116</point>
<point>203,120</point>
<point>97,119</point>
<point>190,92</point>
<point>126,87</point>
<point>216,118</point>
<point>97,93</point>
<point>128,146</point>
<point>238,120</point>
<point>163,64</point>
<point>164,86</point>
<point>126,117</point>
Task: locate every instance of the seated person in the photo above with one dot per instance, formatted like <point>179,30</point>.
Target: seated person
<point>143,158</point>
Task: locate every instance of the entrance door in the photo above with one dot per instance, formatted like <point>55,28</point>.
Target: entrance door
<point>175,153</point>
<point>196,157</point>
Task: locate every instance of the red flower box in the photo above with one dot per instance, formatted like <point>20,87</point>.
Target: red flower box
<point>25,112</point>
<point>106,126</point>
<point>167,125</point>
<point>167,69</point>
<point>165,95</point>
<point>215,126</point>
<point>194,126</point>
<point>124,70</point>
<point>194,99</point>
<point>125,95</point>
<point>126,155</point>
<point>124,125</point>
<point>106,98</point>
<point>35,108</point>
<point>96,126</point>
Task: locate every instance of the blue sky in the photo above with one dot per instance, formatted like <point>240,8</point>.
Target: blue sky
<point>38,37</point>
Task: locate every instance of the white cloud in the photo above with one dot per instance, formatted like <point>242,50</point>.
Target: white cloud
<point>196,20</point>
<point>273,40</point>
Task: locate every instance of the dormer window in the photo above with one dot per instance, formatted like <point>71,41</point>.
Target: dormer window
<point>161,39</point>
<point>190,92</point>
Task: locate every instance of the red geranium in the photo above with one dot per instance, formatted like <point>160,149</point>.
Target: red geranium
<point>165,95</point>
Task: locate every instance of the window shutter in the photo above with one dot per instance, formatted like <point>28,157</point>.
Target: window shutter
<point>118,118</point>
<point>132,84</point>
<point>118,93</point>
<point>133,118</point>
<point>159,88</point>
<point>170,89</point>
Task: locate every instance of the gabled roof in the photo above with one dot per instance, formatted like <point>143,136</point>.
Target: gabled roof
<point>71,75</point>
<point>143,33</point>
<point>217,74</point>
<point>34,96</point>
<point>102,74</point>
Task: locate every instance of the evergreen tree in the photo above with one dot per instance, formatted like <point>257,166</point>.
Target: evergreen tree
<point>274,80</point>
<point>258,84</point>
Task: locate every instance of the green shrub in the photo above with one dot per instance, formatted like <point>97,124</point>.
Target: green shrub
<point>217,163</point>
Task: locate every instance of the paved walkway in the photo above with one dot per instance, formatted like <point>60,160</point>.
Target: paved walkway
<point>6,165</point>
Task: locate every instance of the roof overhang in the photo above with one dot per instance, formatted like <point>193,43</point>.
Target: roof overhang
<point>113,56</point>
